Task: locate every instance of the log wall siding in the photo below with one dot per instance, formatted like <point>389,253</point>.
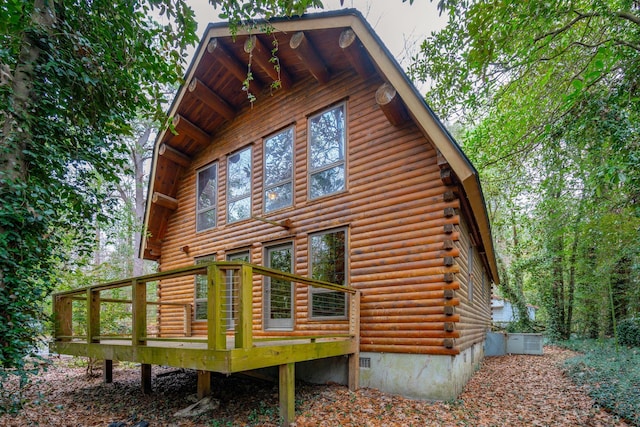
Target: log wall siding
<point>393,209</point>
<point>475,315</point>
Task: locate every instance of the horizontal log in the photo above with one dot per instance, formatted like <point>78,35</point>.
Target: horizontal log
<point>403,341</point>
<point>409,319</point>
<point>402,311</point>
<point>409,303</point>
<point>305,51</point>
<point>174,155</point>
<point>436,333</point>
<point>417,271</point>
<point>405,291</point>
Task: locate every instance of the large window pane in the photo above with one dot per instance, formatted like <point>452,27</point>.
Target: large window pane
<point>327,152</point>
<point>278,296</point>
<point>327,182</point>
<point>327,138</point>
<point>328,263</point>
<point>207,198</point>
<point>278,171</point>
<point>240,209</point>
<point>239,185</point>
<point>280,290</point>
<point>278,197</point>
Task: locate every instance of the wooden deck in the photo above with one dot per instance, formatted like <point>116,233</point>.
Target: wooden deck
<point>225,350</point>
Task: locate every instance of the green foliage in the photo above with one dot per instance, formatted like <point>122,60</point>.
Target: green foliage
<point>629,332</point>
<point>245,13</point>
<point>611,377</point>
<point>546,97</point>
<point>73,76</point>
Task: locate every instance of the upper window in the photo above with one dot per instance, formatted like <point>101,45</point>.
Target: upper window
<point>207,194</point>
<point>328,259</point>
<point>327,152</point>
<point>278,171</point>
<point>239,185</point>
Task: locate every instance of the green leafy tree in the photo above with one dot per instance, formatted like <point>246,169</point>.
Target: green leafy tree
<point>548,94</point>
<point>73,75</point>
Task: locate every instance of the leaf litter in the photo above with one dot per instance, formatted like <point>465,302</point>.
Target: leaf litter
<point>512,390</point>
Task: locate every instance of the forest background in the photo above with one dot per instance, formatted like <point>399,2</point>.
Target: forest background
<point>542,96</point>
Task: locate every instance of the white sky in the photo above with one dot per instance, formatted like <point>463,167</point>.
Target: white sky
<point>400,25</point>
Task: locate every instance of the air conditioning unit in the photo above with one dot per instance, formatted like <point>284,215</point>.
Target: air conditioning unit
<point>524,344</point>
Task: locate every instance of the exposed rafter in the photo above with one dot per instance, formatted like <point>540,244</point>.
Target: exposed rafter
<point>391,105</point>
<point>261,56</point>
<point>305,51</point>
<point>176,156</point>
<point>211,99</point>
<point>164,201</point>
<point>239,71</point>
<point>351,48</point>
<point>185,127</point>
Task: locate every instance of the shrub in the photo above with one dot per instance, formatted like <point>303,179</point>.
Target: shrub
<point>629,332</point>
<point>611,378</point>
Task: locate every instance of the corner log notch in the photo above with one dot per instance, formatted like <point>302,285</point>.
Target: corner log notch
<point>261,56</point>
<point>351,48</point>
<point>222,55</point>
<point>391,105</point>
<point>211,99</point>
<point>305,51</point>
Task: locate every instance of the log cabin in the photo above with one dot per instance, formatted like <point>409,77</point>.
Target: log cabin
<point>304,191</point>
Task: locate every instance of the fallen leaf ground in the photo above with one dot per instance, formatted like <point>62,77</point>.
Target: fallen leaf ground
<point>513,390</point>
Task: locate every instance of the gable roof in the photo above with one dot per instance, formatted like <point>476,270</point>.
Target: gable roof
<point>214,93</point>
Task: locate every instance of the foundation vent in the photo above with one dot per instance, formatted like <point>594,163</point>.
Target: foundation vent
<point>365,362</point>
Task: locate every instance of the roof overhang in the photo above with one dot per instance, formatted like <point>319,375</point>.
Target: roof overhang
<point>389,70</point>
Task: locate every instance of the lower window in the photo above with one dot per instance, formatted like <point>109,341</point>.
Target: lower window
<point>327,262</point>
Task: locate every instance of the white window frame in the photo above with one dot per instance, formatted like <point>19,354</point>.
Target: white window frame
<point>343,162</point>
<point>214,205</point>
<point>279,183</point>
<point>313,291</point>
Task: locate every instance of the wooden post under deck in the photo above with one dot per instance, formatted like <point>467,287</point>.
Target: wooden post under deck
<point>287,393</point>
<point>145,373</point>
<point>107,371</point>
<point>204,384</point>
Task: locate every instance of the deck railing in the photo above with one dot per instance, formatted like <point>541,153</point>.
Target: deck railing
<point>230,307</point>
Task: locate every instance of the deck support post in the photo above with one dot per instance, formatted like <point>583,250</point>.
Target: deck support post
<point>287,393</point>
<point>354,332</point>
<point>145,374</point>
<point>204,384</point>
<point>107,371</point>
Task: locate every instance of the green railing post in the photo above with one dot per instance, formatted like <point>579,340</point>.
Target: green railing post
<point>62,315</point>
<point>93,315</point>
<point>139,307</point>
<point>244,327</point>
<point>216,330</point>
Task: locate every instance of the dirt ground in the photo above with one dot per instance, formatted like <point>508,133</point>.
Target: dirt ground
<point>507,391</point>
